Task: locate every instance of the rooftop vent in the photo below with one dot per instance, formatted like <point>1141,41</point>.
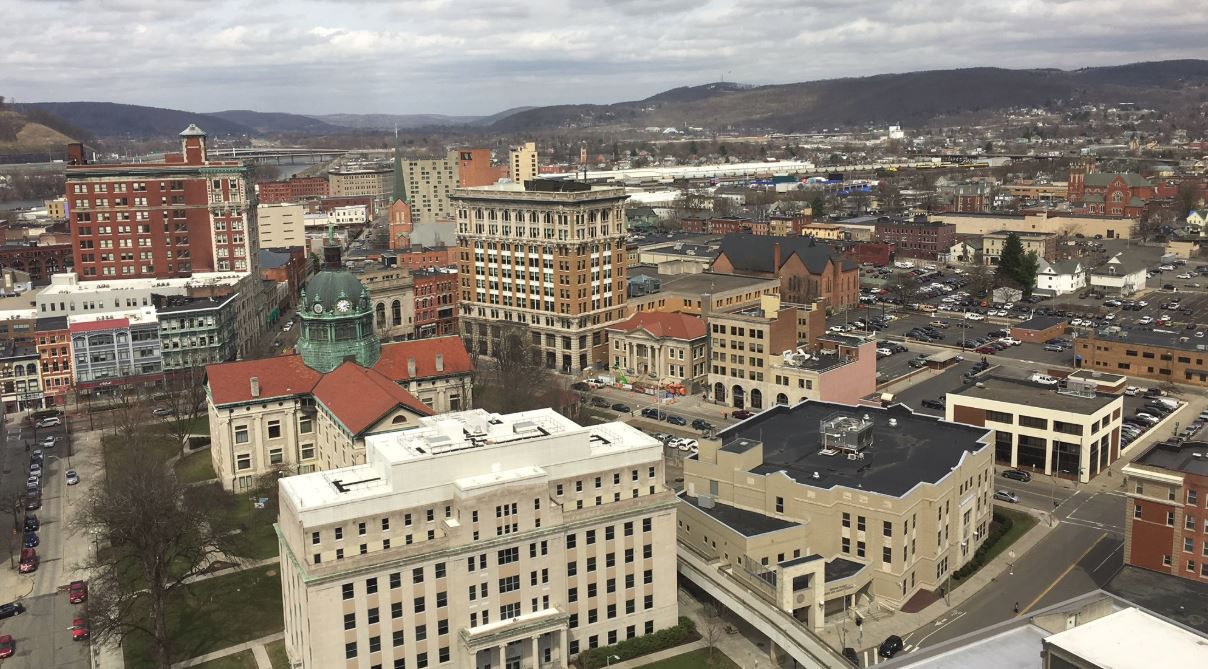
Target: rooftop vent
<point>845,433</point>
<point>706,502</point>
<point>255,383</point>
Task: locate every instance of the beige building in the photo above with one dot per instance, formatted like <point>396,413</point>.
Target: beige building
<point>280,414</point>
<point>522,163</point>
<point>1061,224</point>
<point>822,231</point>
<point>695,293</point>
<point>1043,244</point>
<point>281,225</point>
<point>479,540</point>
<point>827,508</point>
<point>429,183</point>
<point>662,348</point>
<point>392,293</point>
<point>1042,429</point>
<point>357,179</point>
<point>549,256</point>
<point>56,209</point>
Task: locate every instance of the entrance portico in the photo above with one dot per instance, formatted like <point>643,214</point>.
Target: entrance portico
<point>531,641</point>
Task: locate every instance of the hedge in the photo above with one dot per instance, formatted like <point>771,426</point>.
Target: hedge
<point>628,649</point>
<point>1000,526</point>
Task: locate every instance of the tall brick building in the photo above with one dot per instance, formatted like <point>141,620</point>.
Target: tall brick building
<point>158,220</point>
<point>293,189</point>
<point>918,238</point>
<point>1166,519</point>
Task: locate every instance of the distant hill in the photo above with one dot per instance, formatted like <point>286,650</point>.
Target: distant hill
<point>409,121</point>
<point>24,134</point>
<point>108,119</point>
<point>268,123</point>
<point>911,98</point>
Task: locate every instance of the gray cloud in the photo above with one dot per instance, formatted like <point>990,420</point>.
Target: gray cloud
<point>481,56</point>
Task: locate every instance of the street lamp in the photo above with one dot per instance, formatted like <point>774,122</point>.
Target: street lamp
<point>1011,563</point>
<point>608,660</point>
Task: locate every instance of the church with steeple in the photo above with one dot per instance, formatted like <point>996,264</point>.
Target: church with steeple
<point>400,221</point>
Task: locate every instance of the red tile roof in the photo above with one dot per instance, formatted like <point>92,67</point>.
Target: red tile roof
<point>393,362</point>
<point>661,324</point>
<point>360,397</point>
<point>281,376</point>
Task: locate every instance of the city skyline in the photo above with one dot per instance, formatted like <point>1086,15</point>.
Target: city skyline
<point>476,58</point>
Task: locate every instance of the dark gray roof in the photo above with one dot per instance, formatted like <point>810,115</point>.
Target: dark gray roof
<point>1039,323</point>
<point>746,523</point>
<point>1099,179</point>
<point>51,323</point>
<point>1190,457</point>
<point>1142,336</point>
<point>740,446</point>
<point>800,560</point>
<point>1127,265</point>
<point>755,253</point>
<point>919,449</point>
<point>272,259</point>
<point>841,568</point>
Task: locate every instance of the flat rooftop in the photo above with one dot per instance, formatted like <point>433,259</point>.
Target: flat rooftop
<point>746,523</point>
<point>1017,391</point>
<point>918,449</point>
<point>1152,337</point>
<point>1132,639</point>
<point>696,285</point>
<point>1190,457</point>
<point>1039,323</point>
<point>1097,376</point>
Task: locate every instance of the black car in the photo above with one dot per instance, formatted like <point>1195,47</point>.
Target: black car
<point>621,407</point>
<point>937,404</point>
<point>599,402</point>
<point>1017,475</point>
<point>11,609</point>
<point>31,523</point>
<point>892,645</point>
<point>580,386</point>
<point>653,412</point>
<point>850,655</point>
<point>676,420</point>
<point>1160,409</point>
<point>33,502</point>
<point>701,424</point>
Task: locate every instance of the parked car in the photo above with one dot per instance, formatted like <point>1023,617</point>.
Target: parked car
<point>11,609</point>
<point>1006,496</point>
<point>48,441</point>
<point>72,477</point>
<point>52,421</point>
<point>653,412</point>
<point>33,502</point>
<point>29,561</point>
<point>676,420</point>
<point>892,645</point>
<point>701,424</point>
<point>7,646</point>
<point>1056,348</point>
<point>937,404</point>
<point>599,402</point>
<point>1043,379</point>
<point>161,411</point>
<point>1017,475</point>
<point>79,629</point>
<point>30,540</point>
<point>621,407</point>
<point>77,592</point>
<point>1132,391</point>
<point>742,414</point>
<point>31,523</point>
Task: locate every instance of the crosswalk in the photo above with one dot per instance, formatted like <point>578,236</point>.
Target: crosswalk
<point>870,657</point>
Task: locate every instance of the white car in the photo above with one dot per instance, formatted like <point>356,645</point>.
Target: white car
<point>974,316</point>
<point>1010,341</point>
<point>1109,317</point>
<point>884,352</point>
<point>1145,320</point>
<point>50,422</point>
<point>1185,275</point>
<point>1166,268</point>
<point>1132,391</point>
<point>1076,322</point>
<point>903,264</point>
<point>1142,303</point>
<point>1043,379</point>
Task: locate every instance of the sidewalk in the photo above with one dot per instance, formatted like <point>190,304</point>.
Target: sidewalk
<point>237,648</point>
<point>879,626</point>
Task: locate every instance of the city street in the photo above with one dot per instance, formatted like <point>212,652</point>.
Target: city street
<point>42,635</point>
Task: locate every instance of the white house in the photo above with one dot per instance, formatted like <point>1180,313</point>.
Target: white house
<point>967,250</point>
<point>1120,275</point>
<point>1196,221</point>
<point>1059,278</point>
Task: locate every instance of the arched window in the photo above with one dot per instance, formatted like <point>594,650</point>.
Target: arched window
<point>719,392</point>
<point>756,399</point>
<point>396,313</point>
<point>380,313</point>
<point>782,399</point>
<point>739,397</point>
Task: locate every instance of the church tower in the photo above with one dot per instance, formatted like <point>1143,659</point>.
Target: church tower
<point>401,224</point>
<point>337,322</point>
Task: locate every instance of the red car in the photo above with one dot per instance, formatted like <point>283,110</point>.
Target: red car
<point>742,414</point>
<point>77,592</point>
<point>29,561</point>
<point>79,629</point>
<point>7,646</point>
<point>987,349</point>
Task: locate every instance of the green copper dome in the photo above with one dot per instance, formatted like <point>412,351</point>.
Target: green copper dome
<point>337,322</point>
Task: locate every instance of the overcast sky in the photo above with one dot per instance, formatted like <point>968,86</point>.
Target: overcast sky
<point>483,56</point>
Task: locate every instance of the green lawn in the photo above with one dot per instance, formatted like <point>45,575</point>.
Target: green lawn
<point>240,660</point>
<point>1021,523</point>
<point>217,613</point>
<point>276,654</point>
<point>195,467</point>
<point>694,660</point>
<point>256,539</point>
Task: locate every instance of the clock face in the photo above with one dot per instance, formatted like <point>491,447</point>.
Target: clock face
<point>318,308</point>
<point>343,306</point>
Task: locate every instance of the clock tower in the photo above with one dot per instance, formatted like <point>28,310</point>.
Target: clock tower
<point>337,322</point>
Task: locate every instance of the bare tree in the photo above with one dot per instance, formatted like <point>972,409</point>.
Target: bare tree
<point>139,513</point>
<point>712,627</point>
<point>130,414</point>
<point>516,374</point>
<point>1187,198</point>
<point>184,398</point>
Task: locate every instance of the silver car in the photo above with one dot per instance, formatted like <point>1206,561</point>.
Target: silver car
<point>1006,496</point>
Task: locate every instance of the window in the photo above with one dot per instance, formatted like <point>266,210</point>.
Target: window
<point>886,528</point>
<point>274,429</point>
<point>887,555</point>
<point>860,523</point>
<point>1170,518</point>
<point>646,524</point>
<point>243,461</point>
<point>1000,417</point>
<point>347,591</point>
<point>420,605</point>
<point>440,570</point>
<point>396,639</point>
<point>350,621</point>
<point>240,434</point>
<point>1136,511</point>
<point>396,610</point>
<point>371,586</point>
<point>417,575</point>
<point>779,505</point>
<point>350,650</point>
<point>276,456</point>
<point>846,519</point>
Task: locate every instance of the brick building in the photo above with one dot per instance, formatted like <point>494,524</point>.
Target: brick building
<point>39,261</point>
<point>1166,521</point>
<point>1125,194</point>
<point>54,356</point>
<point>878,254</point>
<point>918,238</point>
<point>419,257</point>
<point>808,270</point>
<point>293,189</point>
<point>435,301</point>
<point>158,220</point>
<point>1144,354</point>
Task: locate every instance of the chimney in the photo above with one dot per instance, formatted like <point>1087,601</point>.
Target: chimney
<point>776,256</point>
<point>411,367</point>
<point>440,362</point>
<point>255,381</point>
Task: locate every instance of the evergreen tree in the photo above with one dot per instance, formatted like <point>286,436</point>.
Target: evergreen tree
<point>1016,267</point>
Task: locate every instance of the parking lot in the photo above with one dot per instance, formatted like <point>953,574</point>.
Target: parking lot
<point>43,636</point>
